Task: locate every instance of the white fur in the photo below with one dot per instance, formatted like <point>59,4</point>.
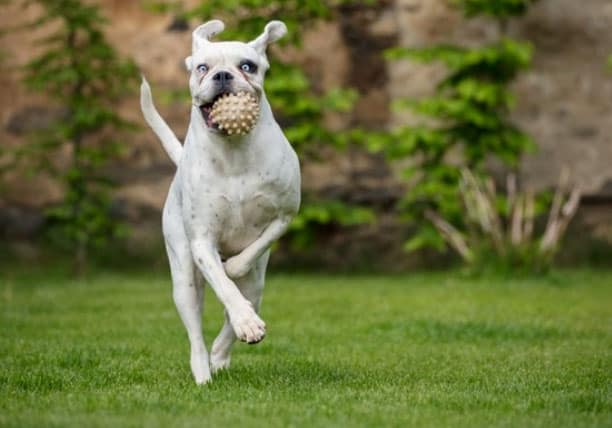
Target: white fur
<point>230,199</point>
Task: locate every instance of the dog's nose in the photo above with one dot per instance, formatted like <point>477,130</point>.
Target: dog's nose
<point>223,76</point>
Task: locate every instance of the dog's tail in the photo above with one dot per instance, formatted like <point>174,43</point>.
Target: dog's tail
<point>169,141</point>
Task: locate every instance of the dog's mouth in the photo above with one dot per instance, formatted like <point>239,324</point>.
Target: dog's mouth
<point>206,109</point>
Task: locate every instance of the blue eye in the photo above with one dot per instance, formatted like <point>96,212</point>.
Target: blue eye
<point>248,66</point>
<point>202,68</point>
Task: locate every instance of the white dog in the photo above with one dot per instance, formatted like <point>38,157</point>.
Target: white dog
<point>231,197</point>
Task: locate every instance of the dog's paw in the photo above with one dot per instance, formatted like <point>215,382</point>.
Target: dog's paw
<point>202,380</point>
<point>248,326</point>
<point>219,361</point>
<point>235,267</point>
<point>200,369</point>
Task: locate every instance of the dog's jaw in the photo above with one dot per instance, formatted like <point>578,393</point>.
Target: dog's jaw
<point>206,108</point>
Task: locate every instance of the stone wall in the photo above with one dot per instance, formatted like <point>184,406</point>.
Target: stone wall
<point>564,101</point>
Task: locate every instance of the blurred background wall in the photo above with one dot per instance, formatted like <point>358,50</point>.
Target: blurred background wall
<point>564,101</point>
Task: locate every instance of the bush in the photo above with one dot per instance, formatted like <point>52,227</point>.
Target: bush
<point>79,71</point>
<point>500,231</point>
<point>467,123</point>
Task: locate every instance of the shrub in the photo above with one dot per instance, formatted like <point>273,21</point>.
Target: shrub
<point>467,123</point>
<point>501,230</point>
<point>81,73</point>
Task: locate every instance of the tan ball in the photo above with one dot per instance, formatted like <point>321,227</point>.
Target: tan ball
<point>235,114</point>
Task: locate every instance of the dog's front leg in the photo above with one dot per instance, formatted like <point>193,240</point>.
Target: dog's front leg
<point>246,323</point>
<point>240,264</point>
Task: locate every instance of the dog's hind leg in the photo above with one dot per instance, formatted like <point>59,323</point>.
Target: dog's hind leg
<point>222,346</point>
<point>187,289</point>
<point>251,286</point>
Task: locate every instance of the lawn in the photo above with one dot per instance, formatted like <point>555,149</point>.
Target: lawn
<point>414,350</point>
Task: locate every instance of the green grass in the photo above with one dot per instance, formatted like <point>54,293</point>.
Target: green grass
<point>415,350</point>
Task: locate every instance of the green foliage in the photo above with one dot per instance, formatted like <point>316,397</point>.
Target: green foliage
<point>468,123</point>
<point>501,233</point>
<point>248,17</point>
<point>299,108</point>
<point>324,212</point>
<point>80,71</point>
<point>496,8</point>
<point>517,260</point>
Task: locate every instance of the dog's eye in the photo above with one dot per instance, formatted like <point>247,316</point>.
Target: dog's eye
<point>202,68</point>
<point>248,67</point>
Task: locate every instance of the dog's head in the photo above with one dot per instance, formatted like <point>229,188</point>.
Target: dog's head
<point>219,68</point>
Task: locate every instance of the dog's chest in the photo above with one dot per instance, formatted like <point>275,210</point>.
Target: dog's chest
<point>246,210</point>
<point>236,209</point>
<point>249,202</point>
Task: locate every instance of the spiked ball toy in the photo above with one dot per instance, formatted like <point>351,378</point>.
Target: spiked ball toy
<point>235,114</point>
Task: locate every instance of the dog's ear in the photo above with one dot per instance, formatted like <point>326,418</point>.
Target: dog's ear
<point>274,30</point>
<point>204,32</point>
<point>201,36</point>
